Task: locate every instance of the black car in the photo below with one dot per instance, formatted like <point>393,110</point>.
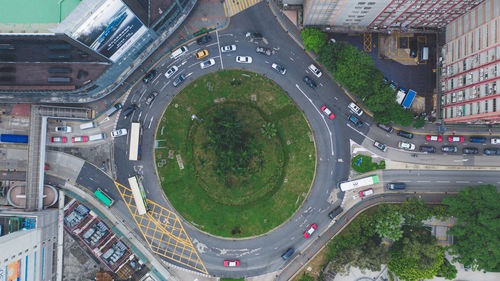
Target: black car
<point>149,76</point>
<point>263,51</point>
<point>492,151</point>
<point>310,82</point>
<point>405,134</point>
<point>427,148</point>
<point>129,110</point>
<point>335,212</point>
<point>449,148</point>
<point>204,39</point>
<point>179,80</point>
<point>470,150</point>
<point>253,35</point>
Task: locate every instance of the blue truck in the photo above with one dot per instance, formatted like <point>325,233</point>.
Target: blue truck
<point>13,138</point>
<point>410,97</point>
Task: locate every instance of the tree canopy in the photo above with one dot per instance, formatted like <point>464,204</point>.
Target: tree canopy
<point>477,231</point>
<point>314,39</point>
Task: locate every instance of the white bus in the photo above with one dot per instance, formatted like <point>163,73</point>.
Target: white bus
<point>348,185</point>
<point>135,141</point>
<point>139,195</point>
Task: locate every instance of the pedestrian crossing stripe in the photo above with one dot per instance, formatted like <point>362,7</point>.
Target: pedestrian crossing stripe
<point>232,7</point>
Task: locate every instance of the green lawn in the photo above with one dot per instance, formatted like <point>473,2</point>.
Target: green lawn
<point>289,169</point>
<point>36,11</point>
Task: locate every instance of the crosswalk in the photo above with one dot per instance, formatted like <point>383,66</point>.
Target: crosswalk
<point>232,7</point>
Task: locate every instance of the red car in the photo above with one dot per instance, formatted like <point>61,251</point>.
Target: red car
<point>58,139</point>
<point>310,230</point>
<point>366,192</point>
<point>80,139</point>
<point>328,112</point>
<point>434,138</point>
<point>456,139</point>
<point>231,263</point>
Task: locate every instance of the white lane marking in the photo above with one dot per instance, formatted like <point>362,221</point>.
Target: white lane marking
<point>139,117</point>
<point>189,74</point>
<point>462,181</point>
<point>150,122</point>
<point>321,114</point>
<point>423,181</point>
<point>146,116</point>
<point>443,181</point>
<point>142,95</point>
<point>220,53</point>
<point>166,84</point>
<point>157,76</point>
<point>292,59</point>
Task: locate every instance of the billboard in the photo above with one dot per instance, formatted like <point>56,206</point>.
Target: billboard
<point>110,30</point>
<point>13,271</point>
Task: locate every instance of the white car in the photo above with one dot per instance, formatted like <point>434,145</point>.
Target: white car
<point>495,141</point>
<point>64,129</point>
<point>315,70</point>
<point>119,133</point>
<point>406,145</point>
<point>355,109</point>
<point>228,48</point>
<point>244,59</point>
<point>171,71</point>
<point>207,63</point>
<point>279,68</point>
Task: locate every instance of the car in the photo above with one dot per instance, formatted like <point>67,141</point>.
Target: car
<point>279,68</point>
<point>456,139</point>
<point>470,150</point>
<point>263,51</point>
<point>149,76</point>
<point>231,263</point>
<point>355,121</point>
<point>254,35</point>
<point>492,151</point>
<point>366,192</point>
<point>289,252</point>
<point>434,138</point>
<point>332,41</point>
<point>393,86</point>
<point>335,212</point>
<point>385,127</point>
<point>328,112</point>
<point>171,71</point>
<point>151,98</point>
<point>310,230</point>
<point>228,48</point>
<point>201,54</point>
<point>406,145</point>
<point>80,139</point>
<point>405,134</point>
<point>396,185</point>
<point>355,109</point>
<point>179,52</point>
<point>477,139</point>
<point>309,82</point>
<point>315,70</point>
<point>244,59</point>
<point>58,139</point>
<point>427,148</point>
<point>119,133</point>
<point>204,39</point>
<point>207,63</point>
<point>449,148</point>
<point>64,129</point>
<point>380,146</point>
<point>129,110</point>
<point>495,141</point>
<point>179,80</point>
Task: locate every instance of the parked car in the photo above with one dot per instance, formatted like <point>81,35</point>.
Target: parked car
<point>328,112</point>
<point>244,59</point>
<point>310,82</point>
<point>495,141</point>
<point>207,63</point>
<point>406,145</point>
<point>287,254</point>
<point>405,134</point>
<point>201,54</point>
<point>427,148</point>
<point>434,138</point>
<point>263,51</point>
<point>355,121</point>
<point>204,39</point>
<point>80,139</point>
<point>179,80</point>
<point>380,146</point>
<point>492,151</point>
<point>64,129</point>
<point>456,139</point>
<point>151,98</point>
<point>254,35</point>
<point>315,70</point>
<point>366,192</point>
<point>171,71</point>
<point>231,263</point>
<point>119,133</point>
<point>355,109</point>
<point>470,150</point>
<point>478,139</point>
<point>228,48</point>
<point>58,139</point>
<point>149,76</point>
<point>310,230</point>
<point>449,148</point>
<point>279,68</point>
<point>335,212</point>
<point>385,127</point>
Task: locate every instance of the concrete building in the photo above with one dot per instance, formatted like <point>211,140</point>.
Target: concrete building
<point>28,242</point>
<point>470,63</point>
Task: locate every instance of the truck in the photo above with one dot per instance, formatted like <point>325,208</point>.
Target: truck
<point>13,138</point>
<point>410,97</point>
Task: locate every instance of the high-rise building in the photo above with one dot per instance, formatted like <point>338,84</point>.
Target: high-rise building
<point>28,242</point>
<point>470,63</point>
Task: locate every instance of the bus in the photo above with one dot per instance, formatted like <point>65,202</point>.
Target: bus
<point>135,141</point>
<point>348,185</point>
<point>139,195</point>
<point>108,201</point>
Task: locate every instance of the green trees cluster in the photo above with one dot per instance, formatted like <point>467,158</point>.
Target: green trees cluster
<point>314,39</point>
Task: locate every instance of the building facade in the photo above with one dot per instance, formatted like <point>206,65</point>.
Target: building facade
<point>470,63</point>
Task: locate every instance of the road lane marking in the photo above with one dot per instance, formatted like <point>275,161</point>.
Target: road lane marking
<point>150,122</point>
<point>423,181</point>
<point>443,181</point>
<point>462,181</point>
<point>220,53</point>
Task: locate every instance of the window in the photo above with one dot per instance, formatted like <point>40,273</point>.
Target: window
<point>486,106</point>
<point>465,65</point>
<point>494,105</point>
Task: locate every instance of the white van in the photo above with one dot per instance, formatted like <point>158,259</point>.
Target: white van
<point>96,137</point>
<point>355,109</point>
<point>179,52</point>
<point>424,55</point>
<point>88,125</point>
